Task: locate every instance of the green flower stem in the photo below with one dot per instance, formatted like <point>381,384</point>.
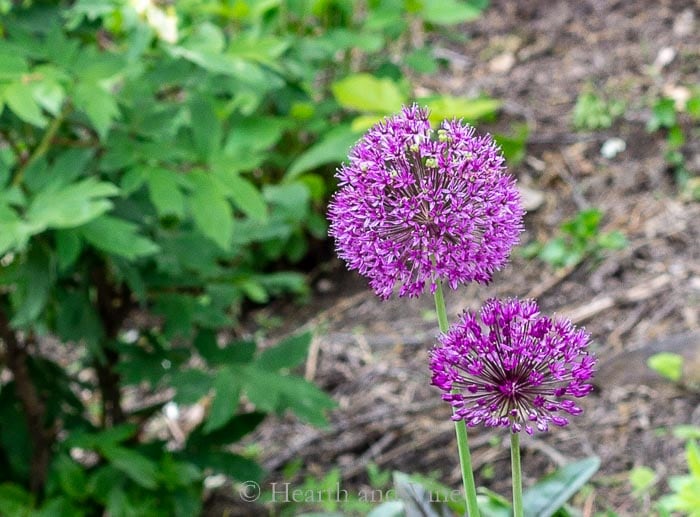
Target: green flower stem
<point>517,477</point>
<point>465,458</point>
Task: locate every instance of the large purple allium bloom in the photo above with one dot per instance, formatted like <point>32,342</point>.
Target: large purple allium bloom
<point>511,366</point>
<point>417,206</point>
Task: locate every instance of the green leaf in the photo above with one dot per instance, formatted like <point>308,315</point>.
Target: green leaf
<point>210,210</point>
<point>77,318</point>
<point>332,148</point>
<point>246,196</point>
<point>641,478</point>
<point>118,237</point>
<point>422,61</point>
<point>213,354</point>
<point>692,453</point>
<point>98,104</point>
<point>190,386</point>
<point>137,467</point>
<point>687,432</point>
<point>165,193</point>
<point>71,477</point>
<point>13,231</point>
<point>12,66</point>
<point>68,248</point>
<point>364,92</point>
<point>229,464</point>
<point>551,492</point>
<point>270,391</point>
<point>253,134</point>
<point>451,12</point>
<point>206,128</point>
<point>471,110</point>
<point>663,115</point>
<point>177,474</point>
<point>70,206</point>
<point>227,390</point>
<point>667,364</point>
<point>612,240</point>
<point>20,100</point>
<point>34,288</point>
<point>288,353</point>
<point>49,94</point>
<point>235,429</point>
<point>16,501</point>
<point>555,252</point>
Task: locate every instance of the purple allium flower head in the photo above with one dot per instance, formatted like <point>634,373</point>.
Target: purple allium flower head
<point>511,366</point>
<point>417,206</point>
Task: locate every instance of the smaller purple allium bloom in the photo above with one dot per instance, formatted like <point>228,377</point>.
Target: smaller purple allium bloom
<point>510,366</point>
<point>417,206</point>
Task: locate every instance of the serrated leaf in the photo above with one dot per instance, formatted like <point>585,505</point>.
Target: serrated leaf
<point>332,148</point>
<point>227,390</point>
<point>117,237</point>
<point>71,206</point>
<point>20,100</point>
<point>289,353</point>
<point>550,493</point>
<point>165,193</point>
<point>211,210</point>
<point>98,104</point>
<point>364,92</point>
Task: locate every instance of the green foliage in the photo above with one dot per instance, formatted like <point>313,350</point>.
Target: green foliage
<point>667,364</point>
<point>641,478</point>
<point>677,121</point>
<point>685,495</point>
<point>594,112</point>
<point>581,238</point>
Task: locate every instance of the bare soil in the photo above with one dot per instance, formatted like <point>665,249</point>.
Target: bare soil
<point>371,356</point>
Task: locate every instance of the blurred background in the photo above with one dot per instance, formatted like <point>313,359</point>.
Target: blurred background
<point>173,320</point>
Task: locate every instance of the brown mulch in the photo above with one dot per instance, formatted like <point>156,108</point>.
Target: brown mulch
<point>371,356</point>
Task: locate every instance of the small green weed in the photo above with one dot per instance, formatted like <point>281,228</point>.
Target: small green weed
<point>593,112</point>
<point>579,239</point>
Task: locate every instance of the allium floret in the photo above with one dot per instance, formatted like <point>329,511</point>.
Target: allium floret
<point>511,366</point>
<point>417,206</point>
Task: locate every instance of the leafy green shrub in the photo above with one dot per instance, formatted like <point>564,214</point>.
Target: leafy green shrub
<point>160,164</point>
